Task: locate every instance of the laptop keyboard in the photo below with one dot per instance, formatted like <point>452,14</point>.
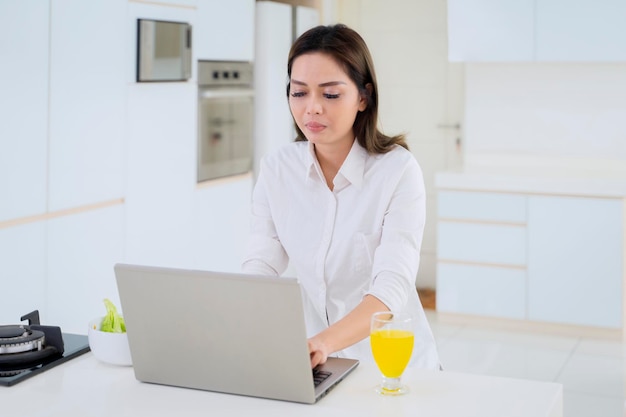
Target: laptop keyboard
<point>320,376</point>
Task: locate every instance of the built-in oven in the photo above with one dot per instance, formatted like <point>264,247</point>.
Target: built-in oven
<point>225,118</point>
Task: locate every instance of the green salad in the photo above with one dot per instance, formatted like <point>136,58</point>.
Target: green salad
<point>112,321</point>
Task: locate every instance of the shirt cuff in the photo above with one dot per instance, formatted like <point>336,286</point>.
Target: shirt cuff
<point>265,256</point>
<point>394,273</point>
<point>392,290</point>
<point>257,267</point>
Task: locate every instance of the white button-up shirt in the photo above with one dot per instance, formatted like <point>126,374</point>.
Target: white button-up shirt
<point>362,237</point>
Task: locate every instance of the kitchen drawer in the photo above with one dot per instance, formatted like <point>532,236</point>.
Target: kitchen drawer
<point>490,207</point>
<point>482,243</point>
<point>479,290</point>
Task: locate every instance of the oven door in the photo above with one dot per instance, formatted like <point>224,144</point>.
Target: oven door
<point>225,132</point>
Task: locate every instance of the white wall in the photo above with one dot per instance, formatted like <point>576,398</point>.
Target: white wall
<point>558,110</point>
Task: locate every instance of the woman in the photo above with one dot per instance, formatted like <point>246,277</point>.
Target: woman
<point>344,203</point>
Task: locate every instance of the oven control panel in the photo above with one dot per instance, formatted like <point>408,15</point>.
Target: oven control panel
<point>225,73</point>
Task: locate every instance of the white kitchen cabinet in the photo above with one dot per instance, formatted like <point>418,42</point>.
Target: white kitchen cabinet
<point>273,123</point>
<point>225,30</point>
<point>81,251</point>
<point>482,290</point>
<point>161,172</point>
<point>485,228</point>
<point>22,271</point>
<point>555,259</point>
<point>24,108</point>
<point>536,30</point>
<point>87,102</point>
<point>221,223</point>
<point>580,30</point>
<point>485,207</point>
<point>481,253</point>
<point>575,260</point>
<point>483,243</point>
<point>276,25</point>
<point>490,30</point>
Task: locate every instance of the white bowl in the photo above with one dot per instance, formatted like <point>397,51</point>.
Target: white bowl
<point>111,348</point>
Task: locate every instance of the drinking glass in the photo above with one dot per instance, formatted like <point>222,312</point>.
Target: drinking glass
<point>391,337</point>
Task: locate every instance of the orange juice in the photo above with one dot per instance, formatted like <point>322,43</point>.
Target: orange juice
<point>392,350</point>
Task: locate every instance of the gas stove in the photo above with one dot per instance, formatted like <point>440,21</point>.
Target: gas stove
<point>27,350</point>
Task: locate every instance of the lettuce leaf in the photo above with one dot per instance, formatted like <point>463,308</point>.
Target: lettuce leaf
<point>112,321</point>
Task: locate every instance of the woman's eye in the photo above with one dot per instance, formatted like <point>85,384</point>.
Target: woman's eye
<point>297,94</point>
<point>331,96</point>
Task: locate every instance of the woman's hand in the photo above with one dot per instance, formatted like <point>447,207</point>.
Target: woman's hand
<point>352,328</point>
<point>318,351</point>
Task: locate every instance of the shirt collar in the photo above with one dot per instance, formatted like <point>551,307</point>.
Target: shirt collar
<point>352,169</point>
<point>313,167</point>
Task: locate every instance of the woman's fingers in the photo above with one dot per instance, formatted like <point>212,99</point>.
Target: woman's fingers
<point>318,357</point>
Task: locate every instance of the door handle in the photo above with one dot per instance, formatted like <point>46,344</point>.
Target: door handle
<point>456,126</point>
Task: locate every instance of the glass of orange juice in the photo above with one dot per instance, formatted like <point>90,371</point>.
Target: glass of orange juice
<point>391,337</point>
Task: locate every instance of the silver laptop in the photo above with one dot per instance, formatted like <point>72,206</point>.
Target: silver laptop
<point>231,333</point>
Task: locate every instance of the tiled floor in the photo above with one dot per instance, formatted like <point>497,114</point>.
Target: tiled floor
<point>591,370</point>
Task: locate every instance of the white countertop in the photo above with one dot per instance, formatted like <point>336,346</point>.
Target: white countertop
<point>86,387</point>
<point>536,175</point>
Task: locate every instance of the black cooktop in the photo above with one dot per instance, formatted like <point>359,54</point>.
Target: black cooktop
<point>75,345</point>
<point>27,350</point>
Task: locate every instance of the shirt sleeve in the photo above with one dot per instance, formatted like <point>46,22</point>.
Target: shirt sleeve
<point>265,254</point>
<point>396,260</point>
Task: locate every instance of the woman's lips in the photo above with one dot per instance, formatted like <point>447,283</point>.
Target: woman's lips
<point>315,127</point>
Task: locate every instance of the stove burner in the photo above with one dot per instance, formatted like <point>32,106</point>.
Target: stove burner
<point>17,339</point>
<point>23,347</point>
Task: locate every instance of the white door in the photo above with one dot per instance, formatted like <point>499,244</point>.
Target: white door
<point>420,92</point>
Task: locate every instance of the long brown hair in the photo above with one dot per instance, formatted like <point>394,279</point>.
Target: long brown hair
<point>348,49</point>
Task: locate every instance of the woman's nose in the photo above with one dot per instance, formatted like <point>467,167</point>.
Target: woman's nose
<point>314,105</point>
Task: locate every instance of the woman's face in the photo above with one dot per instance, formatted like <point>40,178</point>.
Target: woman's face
<point>324,101</point>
